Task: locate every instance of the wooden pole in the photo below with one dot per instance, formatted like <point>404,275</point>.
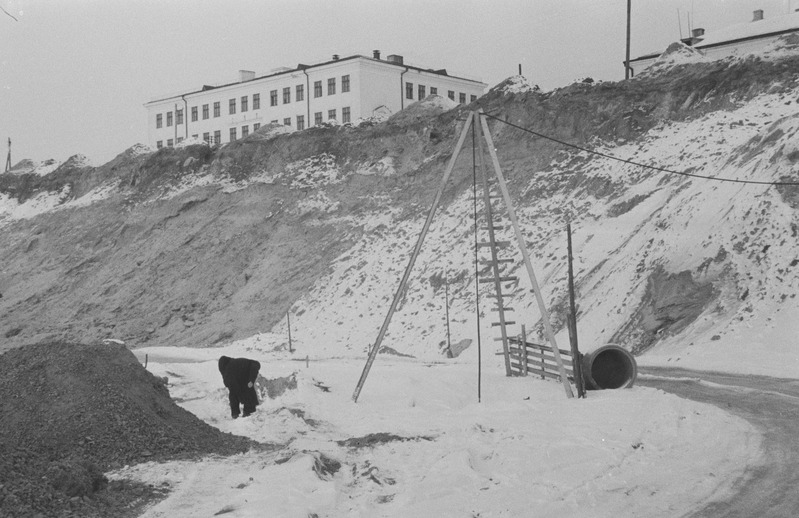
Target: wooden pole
<point>288,324</point>
<point>476,270</point>
<point>446,301</point>
<point>8,158</point>
<point>524,351</point>
<point>526,256</point>
<point>576,363</point>
<point>404,282</point>
<point>627,70</point>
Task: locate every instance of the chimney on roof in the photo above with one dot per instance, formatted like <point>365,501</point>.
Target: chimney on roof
<point>757,15</point>
<point>376,54</point>
<point>335,57</point>
<point>246,75</point>
<point>394,58</point>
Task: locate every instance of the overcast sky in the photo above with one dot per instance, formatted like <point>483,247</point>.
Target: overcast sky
<point>74,74</point>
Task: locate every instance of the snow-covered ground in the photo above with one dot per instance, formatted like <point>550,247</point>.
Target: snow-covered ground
<point>525,450</point>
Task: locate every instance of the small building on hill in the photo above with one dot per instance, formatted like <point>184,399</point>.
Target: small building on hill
<point>342,89</point>
<point>735,39</point>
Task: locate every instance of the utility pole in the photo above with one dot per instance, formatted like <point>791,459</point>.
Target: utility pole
<point>627,71</point>
<point>8,158</point>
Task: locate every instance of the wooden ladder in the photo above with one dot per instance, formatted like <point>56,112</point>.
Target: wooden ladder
<point>494,273</point>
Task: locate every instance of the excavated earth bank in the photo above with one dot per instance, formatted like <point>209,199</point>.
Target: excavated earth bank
<point>69,412</point>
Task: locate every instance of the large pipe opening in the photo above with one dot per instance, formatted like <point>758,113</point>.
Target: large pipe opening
<point>609,367</point>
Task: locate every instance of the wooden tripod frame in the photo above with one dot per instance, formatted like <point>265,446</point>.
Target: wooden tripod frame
<point>489,143</point>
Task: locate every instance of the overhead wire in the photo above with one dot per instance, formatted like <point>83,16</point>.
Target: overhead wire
<point>632,162</point>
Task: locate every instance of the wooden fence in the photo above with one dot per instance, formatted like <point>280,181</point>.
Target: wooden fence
<point>527,358</point>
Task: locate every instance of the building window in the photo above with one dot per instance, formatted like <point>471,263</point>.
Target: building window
<point>451,95</point>
<point>300,122</point>
<point>194,114</point>
<point>179,114</point>
<point>422,94</point>
<point>409,90</point>
<point>287,121</point>
<point>232,106</point>
<point>433,90</point>
<point>159,120</point>
<point>217,109</point>
<point>473,98</point>
<point>232,134</point>
<point>180,139</point>
<point>317,118</point>
<point>194,136</point>
<point>300,93</point>
<point>287,95</point>
<point>345,83</point>
<point>331,86</point>
<point>168,118</point>
<point>245,130</point>
<point>217,137</point>
<point>205,111</point>
<point>159,144</point>
<point>273,122</point>
<point>256,101</point>
<point>345,115</point>
<point>462,98</point>
<point>256,126</point>
<point>207,137</point>
<point>273,98</point>
<point>245,103</point>
<point>317,89</point>
<point>169,143</point>
<point>331,114</point>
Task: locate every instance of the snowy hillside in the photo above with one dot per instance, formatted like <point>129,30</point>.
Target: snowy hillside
<point>320,224</point>
<point>186,254</point>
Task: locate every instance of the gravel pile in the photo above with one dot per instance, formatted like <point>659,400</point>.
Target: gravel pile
<point>69,412</point>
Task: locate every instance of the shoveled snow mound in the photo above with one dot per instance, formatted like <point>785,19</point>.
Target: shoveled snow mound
<point>516,85</point>
<point>27,166</point>
<point>782,47</point>
<point>677,53</point>
<point>269,131</point>
<point>427,108</point>
<point>191,141</point>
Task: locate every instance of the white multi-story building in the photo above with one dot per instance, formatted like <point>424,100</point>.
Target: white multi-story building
<point>342,89</point>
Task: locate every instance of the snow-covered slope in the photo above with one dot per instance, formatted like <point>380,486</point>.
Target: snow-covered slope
<point>201,246</point>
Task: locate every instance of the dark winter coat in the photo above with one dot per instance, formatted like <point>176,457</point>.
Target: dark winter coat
<point>237,374</point>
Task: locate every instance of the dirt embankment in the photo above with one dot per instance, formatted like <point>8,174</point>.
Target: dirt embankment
<point>153,266</point>
<point>71,412</point>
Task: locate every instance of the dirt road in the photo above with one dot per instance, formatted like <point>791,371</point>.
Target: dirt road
<point>767,490</point>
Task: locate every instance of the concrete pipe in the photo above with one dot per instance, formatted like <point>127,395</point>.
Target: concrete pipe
<point>609,367</point>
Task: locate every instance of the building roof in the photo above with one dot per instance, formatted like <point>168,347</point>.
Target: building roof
<point>740,32</point>
<point>750,30</point>
<point>301,67</point>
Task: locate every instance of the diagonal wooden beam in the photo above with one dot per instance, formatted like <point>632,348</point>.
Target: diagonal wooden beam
<point>414,255</point>
<point>525,255</point>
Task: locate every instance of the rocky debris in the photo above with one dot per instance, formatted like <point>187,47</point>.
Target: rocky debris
<point>71,412</point>
<point>375,439</point>
<point>672,301</point>
<point>275,387</point>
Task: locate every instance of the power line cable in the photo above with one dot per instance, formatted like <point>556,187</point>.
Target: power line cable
<point>9,14</point>
<point>632,162</point>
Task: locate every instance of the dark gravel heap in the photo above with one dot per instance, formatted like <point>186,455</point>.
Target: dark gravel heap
<point>69,412</point>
